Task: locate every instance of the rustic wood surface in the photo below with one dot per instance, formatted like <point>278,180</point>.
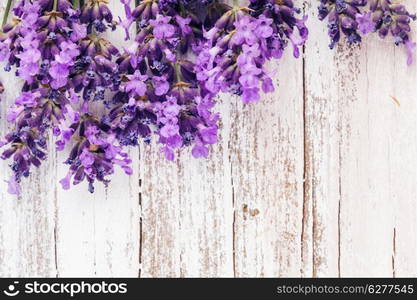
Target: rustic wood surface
<point>318,179</point>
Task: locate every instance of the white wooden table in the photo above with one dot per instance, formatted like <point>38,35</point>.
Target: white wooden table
<point>319,179</point>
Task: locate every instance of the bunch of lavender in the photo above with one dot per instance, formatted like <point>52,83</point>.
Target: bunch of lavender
<point>159,94</point>
<point>242,40</point>
<point>94,155</point>
<point>355,18</point>
<point>96,150</point>
<point>58,55</point>
<point>38,43</point>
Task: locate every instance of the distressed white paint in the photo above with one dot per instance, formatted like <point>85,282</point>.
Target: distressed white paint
<point>318,179</point>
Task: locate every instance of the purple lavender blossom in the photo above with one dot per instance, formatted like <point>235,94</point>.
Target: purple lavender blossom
<point>365,23</point>
<point>94,156</point>
<point>59,55</point>
<point>354,18</point>
<point>159,94</point>
<point>242,40</point>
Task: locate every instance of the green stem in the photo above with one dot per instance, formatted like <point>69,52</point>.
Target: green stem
<point>7,11</point>
<point>76,4</point>
<point>177,72</point>
<point>55,5</point>
<point>182,8</point>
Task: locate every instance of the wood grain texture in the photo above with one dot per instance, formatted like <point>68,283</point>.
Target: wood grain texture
<point>318,179</point>
<point>187,212</point>
<point>360,170</point>
<point>267,172</point>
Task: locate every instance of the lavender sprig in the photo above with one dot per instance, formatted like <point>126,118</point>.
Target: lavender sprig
<point>94,155</point>
<point>39,44</point>
<point>159,93</point>
<point>242,40</point>
<point>356,18</point>
<point>58,55</point>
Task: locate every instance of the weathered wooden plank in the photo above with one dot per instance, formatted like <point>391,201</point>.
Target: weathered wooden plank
<point>266,157</point>
<point>403,153</point>
<point>98,234</point>
<point>27,222</point>
<point>187,217</point>
<point>321,188</point>
<point>351,181</point>
<point>267,169</point>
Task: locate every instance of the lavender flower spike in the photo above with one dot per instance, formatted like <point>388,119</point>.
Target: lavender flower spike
<point>65,66</point>
<point>356,18</point>
<point>240,43</point>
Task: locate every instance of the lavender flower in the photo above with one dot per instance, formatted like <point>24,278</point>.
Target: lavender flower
<point>58,53</point>
<point>242,40</point>
<point>355,18</point>
<point>159,94</point>
<point>94,155</point>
